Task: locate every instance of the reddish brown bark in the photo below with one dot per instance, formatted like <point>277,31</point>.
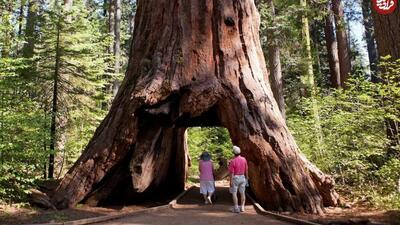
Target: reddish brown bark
<point>343,44</point>
<point>194,63</point>
<point>332,49</point>
<point>387,33</point>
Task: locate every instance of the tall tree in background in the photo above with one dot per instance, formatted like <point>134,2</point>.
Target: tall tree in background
<point>307,77</point>
<point>370,37</point>
<point>332,48</point>
<point>30,36</point>
<point>111,30</point>
<point>6,10</point>
<point>342,40</point>
<point>387,32</point>
<point>55,96</point>
<point>274,60</point>
<point>117,46</point>
<point>21,17</point>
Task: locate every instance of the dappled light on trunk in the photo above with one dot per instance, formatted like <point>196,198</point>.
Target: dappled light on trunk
<point>194,63</point>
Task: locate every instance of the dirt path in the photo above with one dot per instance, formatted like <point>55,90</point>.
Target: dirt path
<point>191,210</point>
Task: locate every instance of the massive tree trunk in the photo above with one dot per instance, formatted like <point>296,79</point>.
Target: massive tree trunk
<point>343,44</point>
<point>387,32</point>
<point>193,63</point>
<point>332,49</point>
<point>370,38</point>
<point>275,64</point>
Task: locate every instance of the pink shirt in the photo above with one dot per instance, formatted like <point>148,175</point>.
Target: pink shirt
<point>206,170</point>
<point>238,165</point>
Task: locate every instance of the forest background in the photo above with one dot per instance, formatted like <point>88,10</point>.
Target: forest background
<point>61,63</point>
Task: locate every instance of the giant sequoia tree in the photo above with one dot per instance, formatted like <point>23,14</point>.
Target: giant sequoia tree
<point>387,33</point>
<point>193,63</point>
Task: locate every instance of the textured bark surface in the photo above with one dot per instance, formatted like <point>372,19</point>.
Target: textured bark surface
<point>275,68</point>
<point>193,63</point>
<point>370,38</point>
<point>332,49</point>
<point>387,33</point>
<point>342,40</point>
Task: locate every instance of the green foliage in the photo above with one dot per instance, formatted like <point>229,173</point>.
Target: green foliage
<point>22,133</point>
<point>26,86</point>
<point>355,145</point>
<point>215,140</point>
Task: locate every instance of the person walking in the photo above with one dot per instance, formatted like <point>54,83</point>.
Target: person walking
<point>206,169</point>
<point>238,170</point>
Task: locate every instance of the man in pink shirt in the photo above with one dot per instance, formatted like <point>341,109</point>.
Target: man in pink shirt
<point>238,170</point>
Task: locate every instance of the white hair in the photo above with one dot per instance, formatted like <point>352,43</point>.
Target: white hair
<point>236,150</point>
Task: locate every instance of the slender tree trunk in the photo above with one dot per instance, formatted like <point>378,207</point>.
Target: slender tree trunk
<point>332,49</point>
<point>308,79</point>
<point>105,7</point>
<point>111,29</point>
<point>342,40</point>
<point>315,34</point>
<point>30,36</point>
<point>185,72</point>
<point>59,142</point>
<point>54,110</point>
<point>275,64</point>
<point>117,45</point>
<point>20,21</point>
<point>370,38</point>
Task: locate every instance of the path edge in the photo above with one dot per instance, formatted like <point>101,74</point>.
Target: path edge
<point>100,219</point>
<point>290,219</point>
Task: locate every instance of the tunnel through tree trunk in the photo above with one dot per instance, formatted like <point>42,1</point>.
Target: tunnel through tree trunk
<point>194,63</point>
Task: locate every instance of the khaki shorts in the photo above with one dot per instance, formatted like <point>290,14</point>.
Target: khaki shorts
<point>239,184</point>
<point>207,187</point>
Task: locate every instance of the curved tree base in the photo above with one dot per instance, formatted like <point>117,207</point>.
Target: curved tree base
<point>194,63</point>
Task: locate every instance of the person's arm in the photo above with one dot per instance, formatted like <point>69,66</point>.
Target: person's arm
<point>200,167</point>
<point>231,173</point>
<point>247,171</point>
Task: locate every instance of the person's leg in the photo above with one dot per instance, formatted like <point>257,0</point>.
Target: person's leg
<point>235,202</point>
<point>203,191</point>
<point>205,198</point>
<point>210,190</point>
<point>234,196</point>
<point>242,201</point>
<point>242,191</point>
<point>210,197</point>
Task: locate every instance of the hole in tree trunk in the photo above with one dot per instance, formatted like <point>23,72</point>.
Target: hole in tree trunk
<point>214,140</point>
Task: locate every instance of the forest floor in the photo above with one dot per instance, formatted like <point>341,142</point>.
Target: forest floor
<point>358,214</point>
<point>10,215</point>
<point>354,215</point>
